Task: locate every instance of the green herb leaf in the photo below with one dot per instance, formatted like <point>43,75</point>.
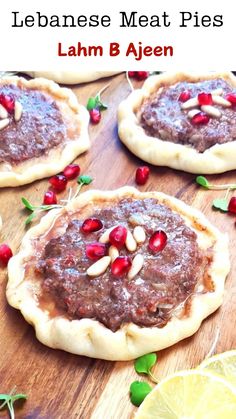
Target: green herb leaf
<point>92,103</point>
<point>95,101</point>
<point>9,400</point>
<point>99,104</point>
<point>35,210</point>
<point>5,398</point>
<point>138,391</point>
<point>30,218</point>
<point>27,204</point>
<point>11,409</point>
<point>144,364</point>
<point>84,179</point>
<point>18,397</point>
<point>221,204</point>
<point>49,207</point>
<point>201,180</point>
<point>102,106</point>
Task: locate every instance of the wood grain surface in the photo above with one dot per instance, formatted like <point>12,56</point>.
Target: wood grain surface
<point>60,385</point>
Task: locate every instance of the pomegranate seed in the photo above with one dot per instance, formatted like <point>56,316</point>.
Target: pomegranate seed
<point>157,241</point>
<point>49,198</point>
<point>200,119</point>
<point>142,175</point>
<point>231,98</point>
<point>142,75</point>
<point>121,266</point>
<point>132,73</point>
<point>96,250</point>
<point>184,96</point>
<point>91,224</point>
<point>232,205</point>
<point>8,102</point>
<point>205,99</point>
<point>5,254</point>
<point>71,171</point>
<point>118,236</point>
<point>95,115</point>
<point>58,182</point>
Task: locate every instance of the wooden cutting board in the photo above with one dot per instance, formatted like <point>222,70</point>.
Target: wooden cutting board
<point>60,385</point>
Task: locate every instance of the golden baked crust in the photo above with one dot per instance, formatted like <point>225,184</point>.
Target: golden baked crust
<point>57,158</point>
<point>90,337</point>
<point>217,159</point>
<point>71,77</point>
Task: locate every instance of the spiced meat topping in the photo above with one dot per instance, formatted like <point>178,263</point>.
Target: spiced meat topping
<point>162,116</point>
<point>167,278</point>
<point>39,129</point>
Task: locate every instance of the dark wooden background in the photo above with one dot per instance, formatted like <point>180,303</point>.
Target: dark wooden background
<point>60,385</point>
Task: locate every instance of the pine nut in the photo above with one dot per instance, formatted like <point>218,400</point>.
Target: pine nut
<point>211,110</point>
<point>139,234</point>
<point>105,236</point>
<point>136,219</point>
<point>130,242</point>
<point>217,92</point>
<point>137,265</point>
<point>218,100</point>
<point>3,112</point>
<point>99,267</point>
<point>113,253</point>
<point>18,111</point>
<point>4,123</point>
<point>192,113</point>
<point>191,103</point>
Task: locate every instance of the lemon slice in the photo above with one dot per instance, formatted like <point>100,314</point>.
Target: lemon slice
<point>223,364</point>
<point>192,394</point>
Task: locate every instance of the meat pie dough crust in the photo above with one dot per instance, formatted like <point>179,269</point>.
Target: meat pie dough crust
<point>71,77</point>
<point>217,159</point>
<point>90,337</point>
<point>58,157</point>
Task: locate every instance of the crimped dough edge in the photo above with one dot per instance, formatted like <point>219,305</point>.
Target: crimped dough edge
<point>90,337</point>
<point>57,158</point>
<point>71,77</point>
<point>217,159</point>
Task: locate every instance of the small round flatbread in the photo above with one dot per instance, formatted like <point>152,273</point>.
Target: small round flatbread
<point>59,232</point>
<point>71,77</point>
<point>45,130</point>
<point>155,124</point>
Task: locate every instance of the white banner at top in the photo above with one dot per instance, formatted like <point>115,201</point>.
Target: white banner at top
<point>162,35</point>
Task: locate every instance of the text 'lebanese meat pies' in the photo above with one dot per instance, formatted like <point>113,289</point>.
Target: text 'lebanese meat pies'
<point>42,129</point>
<point>186,121</point>
<point>117,274</point>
